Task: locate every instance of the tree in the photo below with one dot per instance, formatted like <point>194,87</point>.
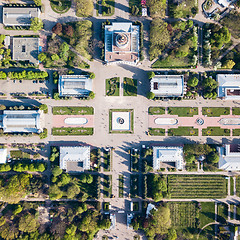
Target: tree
<point>89,178</point>
<point>172,235</point>
<point>64,47</point>
<point>57,29</point>
<point>83,178</point>
<point>68,30</point>
<point>151,75</point>
<point>2,107</point>
<point>213,157</point>
<point>229,64</point>
<point>158,186</point>
<point>44,107</point>
<point>190,158</point>
<point>38,3</point>
<point>159,223</point>
<point>92,95</point>
<point>36,24</point>
<point>210,83</point>
<point>56,171</point>
<point>64,179</point>
<point>150,95</point>
<point>28,223</point>
<point>55,57</point>
<point>71,229</point>
<point>55,192</point>
<point>92,75</point>
<point>84,8</point>
<point>41,57</point>
<point>192,82</point>
<point>17,210</point>
<point>72,191</point>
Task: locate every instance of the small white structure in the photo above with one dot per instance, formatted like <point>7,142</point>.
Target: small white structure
<point>229,86</point>
<point>150,207</point>
<point>22,121</point>
<point>113,220</point>
<point>168,155</point>
<point>229,157</point>
<point>3,155</point>
<point>76,121</point>
<point>224,3</point>
<point>168,85</point>
<point>75,159</point>
<point>74,85</point>
<point>121,121</point>
<point>129,220</point>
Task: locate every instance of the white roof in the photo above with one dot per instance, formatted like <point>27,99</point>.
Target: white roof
<point>228,161</point>
<point>150,207</point>
<point>167,154</point>
<point>21,121</point>
<point>74,85</point>
<point>167,85</point>
<point>224,3</point>
<point>3,155</point>
<point>228,82</point>
<point>75,154</point>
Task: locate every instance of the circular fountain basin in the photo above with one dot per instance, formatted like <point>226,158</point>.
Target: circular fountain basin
<point>76,121</point>
<point>166,121</point>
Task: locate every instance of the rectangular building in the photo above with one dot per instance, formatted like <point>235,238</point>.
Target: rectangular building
<point>74,85</point>
<point>229,86</point>
<point>75,159</point>
<point>168,155</point>
<point>25,49</point>
<point>22,121</point>
<point>19,16</point>
<point>168,85</point>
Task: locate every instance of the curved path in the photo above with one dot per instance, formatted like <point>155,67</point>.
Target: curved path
<point>215,223</point>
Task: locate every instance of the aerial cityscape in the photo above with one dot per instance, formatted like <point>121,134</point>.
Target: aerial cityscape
<point>120,119</point>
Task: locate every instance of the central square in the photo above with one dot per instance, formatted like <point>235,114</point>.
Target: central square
<point>121,121</point>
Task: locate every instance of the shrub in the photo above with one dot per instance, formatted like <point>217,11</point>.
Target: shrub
<point>36,24</point>
<point>57,29</point>
<point>44,107</point>
<point>92,95</point>
<point>43,134</point>
<point>150,95</point>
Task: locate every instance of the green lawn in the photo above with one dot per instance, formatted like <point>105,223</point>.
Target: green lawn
<point>131,120</point>
<point>215,111</point>
<point>156,110</point>
<point>236,132</point>
<point>73,110</point>
<point>236,111</point>
<point>19,155</point>
<point>112,86</point>
<point>156,131</point>
<point>106,161</point>
<point>135,3</point>
<point>183,131</point>
<point>72,131</point>
<point>215,131</point>
<point>197,186</point>
<point>222,215</point>
<point>184,214</point>
<point>121,185</point>
<point>129,87</point>
<point>134,185</point>
<point>238,212</point>
<point>238,186</point>
<point>183,111</point>
<point>61,6</point>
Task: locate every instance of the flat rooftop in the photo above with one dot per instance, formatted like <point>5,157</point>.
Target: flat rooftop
<point>19,16</point>
<point>25,49</point>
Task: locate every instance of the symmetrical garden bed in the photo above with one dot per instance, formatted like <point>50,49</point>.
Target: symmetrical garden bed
<point>215,131</point>
<point>183,131</point>
<point>215,111</point>
<point>73,110</point>
<point>72,131</point>
<point>183,111</point>
<point>112,86</point>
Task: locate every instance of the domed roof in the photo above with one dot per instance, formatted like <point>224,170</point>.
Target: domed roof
<point>122,40</point>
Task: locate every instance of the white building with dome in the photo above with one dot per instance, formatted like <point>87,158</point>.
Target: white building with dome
<point>122,43</point>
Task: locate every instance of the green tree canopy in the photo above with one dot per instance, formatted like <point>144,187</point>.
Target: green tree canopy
<point>28,223</point>
<point>150,95</point>
<point>56,171</point>
<point>192,82</point>
<point>36,24</point>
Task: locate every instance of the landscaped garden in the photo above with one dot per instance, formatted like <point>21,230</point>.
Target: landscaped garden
<point>84,8</point>
<point>134,185</point>
<point>236,132</point>
<point>75,131</point>
<point>184,53</point>
<point>108,7</point>
<point>135,160</point>
<point>215,111</point>
<point>135,7</point>
<point>73,110</point>
<point>120,186</point>
<point>183,111</point>
<point>112,86</point>
<point>107,156</point>
<point>107,186</point>
<point>157,8</point>
<point>183,131</point>
<point>222,213</point>
<point>215,131</point>
<point>129,87</point>
<point>156,110</point>
<point>232,58</point>
<point>236,111</point>
<point>95,158</point>
<point>61,6</point>
<point>238,186</point>
<point>197,186</point>
<point>156,131</point>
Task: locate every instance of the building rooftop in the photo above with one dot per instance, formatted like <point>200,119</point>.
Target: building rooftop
<point>168,85</point>
<point>75,159</point>
<point>229,159</point>
<point>3,155</point>
<point>22,121</point>
<point>74,85</point>
<point>167,155</point>
<point>122,43</point>
<point>19,16</point>
<point>25,49</point>
<point>229,86</point>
